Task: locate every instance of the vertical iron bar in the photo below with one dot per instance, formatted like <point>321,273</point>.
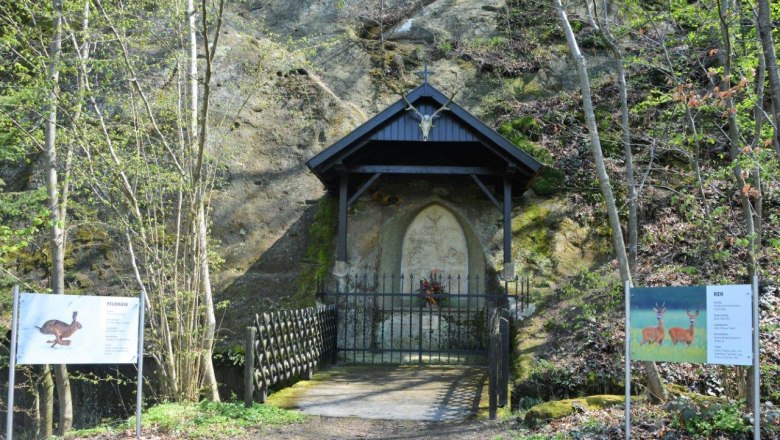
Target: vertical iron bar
<point>392,316</point>
<point>354,321</point>
<point>504,384</point>
<point>419,331</point>
<point>345,321</point>
<point>365,314</point>
<point>506,292</point>
<point>411,315</point>
<point>382,328</point>
<point>430,327</point>
<point>401,287</point>
<point>461,345</point>
<point>492,367</point>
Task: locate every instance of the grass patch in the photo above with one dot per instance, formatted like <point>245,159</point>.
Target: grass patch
<point>203,420</point>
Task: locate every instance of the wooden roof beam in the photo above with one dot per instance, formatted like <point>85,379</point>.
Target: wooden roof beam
<point>423,169</point>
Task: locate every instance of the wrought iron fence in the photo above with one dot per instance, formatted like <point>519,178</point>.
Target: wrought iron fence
<point>437,319</point>
<point>287,344</point>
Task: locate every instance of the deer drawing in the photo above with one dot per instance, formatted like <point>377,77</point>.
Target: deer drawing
<point>426,121</point>
<point>652,335</point>
<point>679,334</point>
<point>60,330</point>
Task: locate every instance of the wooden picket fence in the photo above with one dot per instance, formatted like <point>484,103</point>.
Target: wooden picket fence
<point>285,345</point>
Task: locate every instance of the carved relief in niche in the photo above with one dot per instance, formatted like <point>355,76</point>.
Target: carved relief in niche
<point>434,241</point>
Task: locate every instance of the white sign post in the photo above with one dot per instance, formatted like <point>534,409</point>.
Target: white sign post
<point>76,329</point>
<point>9,416</point>
<point>732,331</point>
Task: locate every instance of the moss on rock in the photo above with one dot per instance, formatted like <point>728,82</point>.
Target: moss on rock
<point>557,409</point>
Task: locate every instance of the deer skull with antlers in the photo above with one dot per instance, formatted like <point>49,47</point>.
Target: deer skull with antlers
<point>426,121</point>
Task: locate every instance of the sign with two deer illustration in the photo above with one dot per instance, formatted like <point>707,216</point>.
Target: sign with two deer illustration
<point>703,324</point>
<point>75,329</point>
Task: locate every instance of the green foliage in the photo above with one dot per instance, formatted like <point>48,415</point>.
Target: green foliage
<point>712,420</point>
<point>549,182</point>
<point>204,420</point>
<point>235,356</point>
<point>445,47</point>
<point>523,132</point>
<point>319,253</point>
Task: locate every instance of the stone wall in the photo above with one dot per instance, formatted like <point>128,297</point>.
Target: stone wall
<point>379,220</point>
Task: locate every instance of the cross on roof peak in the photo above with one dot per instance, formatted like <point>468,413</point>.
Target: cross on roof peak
<point>424,73</point>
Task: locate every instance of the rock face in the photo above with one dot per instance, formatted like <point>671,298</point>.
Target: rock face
<point>275,105</point>
<point>279,115</point>
<point>285,108</point>
<point>284,105</point>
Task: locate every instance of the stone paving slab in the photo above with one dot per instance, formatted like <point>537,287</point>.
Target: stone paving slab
<point>431,393</point>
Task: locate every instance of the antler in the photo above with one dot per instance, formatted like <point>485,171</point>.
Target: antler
<point>409,106</point>
<point>445,106</point>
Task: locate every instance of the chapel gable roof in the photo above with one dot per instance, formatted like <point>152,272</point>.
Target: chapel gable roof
<point>394,137</point>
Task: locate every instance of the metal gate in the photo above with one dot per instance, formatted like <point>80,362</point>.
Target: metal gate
<point>411,320</point>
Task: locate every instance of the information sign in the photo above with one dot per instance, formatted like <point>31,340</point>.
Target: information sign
<point>702,324</point>
<point>73,329</point>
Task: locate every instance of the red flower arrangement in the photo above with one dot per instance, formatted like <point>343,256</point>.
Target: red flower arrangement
<point>430,292</point>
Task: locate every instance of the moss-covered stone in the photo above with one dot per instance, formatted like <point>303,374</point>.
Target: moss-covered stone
<point>319,252</point>
<point>557,409</point>
<point>549,182</point>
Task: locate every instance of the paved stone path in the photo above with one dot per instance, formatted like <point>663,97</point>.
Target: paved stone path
<point>429,393</point>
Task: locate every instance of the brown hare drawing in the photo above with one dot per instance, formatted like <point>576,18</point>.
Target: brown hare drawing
<point>60,330</point>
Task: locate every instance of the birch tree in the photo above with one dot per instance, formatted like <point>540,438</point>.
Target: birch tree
<point>162,201</point>
<point>57,195</point>
<point>764,22</point>
<point>655,384</point>
<point>749,194</point>
<point>604,32</point>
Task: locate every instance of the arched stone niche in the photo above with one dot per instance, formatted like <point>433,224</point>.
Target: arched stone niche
<point>431,230</point>
<point>434,243</point>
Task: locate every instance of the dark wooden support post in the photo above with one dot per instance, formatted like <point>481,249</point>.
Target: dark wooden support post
<point>342,243</point>
<point>249,367</point>
<point>508,264</point>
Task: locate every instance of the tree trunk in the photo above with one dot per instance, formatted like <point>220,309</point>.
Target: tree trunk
<point>748,210</point>
<point>211,320</point>
<point>46,419</point>
<point>768,45</point>
<point>655,384</point>
<point>64,397</point>
<point>609,39</point>
<point>198,185</point>
<point>57,220</point>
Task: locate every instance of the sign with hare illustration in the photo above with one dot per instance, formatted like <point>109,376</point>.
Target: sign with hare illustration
<point>60,330</point>
<point>101,329</point>
<point>700,324</point>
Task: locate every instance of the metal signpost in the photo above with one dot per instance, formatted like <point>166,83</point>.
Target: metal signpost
<point>113,334</point>
<point>9,426</point>
<point>729,316</point>
<point>628,360</point>
<point>139,385</point>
